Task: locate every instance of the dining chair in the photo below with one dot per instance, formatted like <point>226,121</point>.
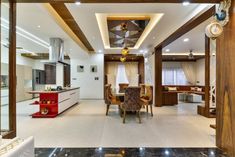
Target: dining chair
<point>147,100</point>
<point>131,102</point>
<point>122,87</point>
<point>142,90</point>
<point>110,99</point>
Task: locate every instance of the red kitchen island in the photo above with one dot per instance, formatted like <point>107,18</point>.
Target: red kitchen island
<point>52,103</point>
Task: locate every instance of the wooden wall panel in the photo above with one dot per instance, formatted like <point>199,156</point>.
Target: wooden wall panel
<point>225,87</point>
<point>158,77</point>
<point>141,70</point>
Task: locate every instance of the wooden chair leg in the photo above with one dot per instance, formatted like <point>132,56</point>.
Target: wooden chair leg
<point>151,108</point>
<point>147,109</point>
<point>138,114</point>
<point>107,109</point>
<point>124,116</point>
<point>120,110</point>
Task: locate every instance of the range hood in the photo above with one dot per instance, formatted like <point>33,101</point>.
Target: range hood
<point>56,51</point>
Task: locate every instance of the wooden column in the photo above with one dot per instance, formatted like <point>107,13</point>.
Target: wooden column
<point>158,77</point>
<point>207,77</point>
<point>225,87</point>
<point>12,70</point>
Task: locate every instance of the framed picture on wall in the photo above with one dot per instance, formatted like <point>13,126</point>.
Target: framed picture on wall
<point>93,68</point>
<point>80,68</point>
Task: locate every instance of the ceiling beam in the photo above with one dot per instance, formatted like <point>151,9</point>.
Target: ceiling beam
<point>65,20</point>
<point>115,1</point>
<point>188,26</point>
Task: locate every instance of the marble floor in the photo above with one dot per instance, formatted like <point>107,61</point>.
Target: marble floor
<point>86,126</point>
<point>129,152</point>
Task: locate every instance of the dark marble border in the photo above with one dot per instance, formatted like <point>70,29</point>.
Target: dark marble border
<point>129,152</point>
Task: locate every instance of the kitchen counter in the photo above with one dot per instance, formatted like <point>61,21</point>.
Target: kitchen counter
<point>52,103</point>
<point>57,91</point>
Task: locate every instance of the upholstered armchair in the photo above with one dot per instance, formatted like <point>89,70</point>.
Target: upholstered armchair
<point>122,87</point>
<point>131,102</point>
<point>110,99</point>
<point>142,90</point>
<point>147,100</point>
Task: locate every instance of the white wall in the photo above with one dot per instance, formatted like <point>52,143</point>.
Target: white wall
<point>89,87</point>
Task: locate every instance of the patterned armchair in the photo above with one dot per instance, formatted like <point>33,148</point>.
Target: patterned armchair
<point>123,87</point>
<point>147,100</point>
<point>131,102</point>
<point>110,99</point>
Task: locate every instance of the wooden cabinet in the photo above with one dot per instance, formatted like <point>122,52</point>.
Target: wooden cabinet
<point>50,73</point>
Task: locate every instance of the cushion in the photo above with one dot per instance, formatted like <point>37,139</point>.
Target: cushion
<point>193,88</point>
<point>199,89</point>
<point>172,89</point>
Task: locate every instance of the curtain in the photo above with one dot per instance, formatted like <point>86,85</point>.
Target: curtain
<point>132,73</point>
<point>112,68</point>
<point>190,72</point>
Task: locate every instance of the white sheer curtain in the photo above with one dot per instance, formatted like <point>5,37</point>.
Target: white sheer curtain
<point>173,76</point>
<point>190,72</point>
<point>121,75</point>
<point>132,73</point>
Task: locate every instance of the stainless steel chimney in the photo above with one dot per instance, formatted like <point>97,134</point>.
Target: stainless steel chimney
<point>56,50</point>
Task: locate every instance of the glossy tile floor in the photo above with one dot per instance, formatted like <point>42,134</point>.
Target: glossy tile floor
<point>85,126</point>
<point>128,152</point>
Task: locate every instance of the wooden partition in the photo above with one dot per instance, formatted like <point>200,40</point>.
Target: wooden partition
<point>225,87</point>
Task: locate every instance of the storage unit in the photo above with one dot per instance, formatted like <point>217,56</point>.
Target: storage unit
<point>52,103</point>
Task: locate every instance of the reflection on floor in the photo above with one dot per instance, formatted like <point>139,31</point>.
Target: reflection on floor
<point>129,152</point>
<point>85,126</point>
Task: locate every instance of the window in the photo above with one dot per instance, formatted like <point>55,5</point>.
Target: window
<point>121,75</point>
<point>173,76</point>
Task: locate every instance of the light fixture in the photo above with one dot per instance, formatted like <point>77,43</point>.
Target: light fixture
<point>141,51</point>
<point>77,2</point>
<point>186,3</point>
<point>167,152</point>
<point>39,26</point>
<point>186,39</point>
<point>125,51</point>
<point>191,56</point>
<point>123,59</point>
<point>167,50</point>
<point>100,51</point>
<point>154,38</point>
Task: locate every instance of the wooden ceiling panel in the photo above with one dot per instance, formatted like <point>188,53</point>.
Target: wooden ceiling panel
<point>116,58</point>
<point>39,56</point>
<point>67,17</point>
<point>181,58</point>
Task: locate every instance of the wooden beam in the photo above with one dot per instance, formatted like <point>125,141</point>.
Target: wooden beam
<point>225,87</point>
<point>158,77</point>
<point>207,77</point>
<point>192,23</point>
<point>66,21</point>
<point>115,1</point>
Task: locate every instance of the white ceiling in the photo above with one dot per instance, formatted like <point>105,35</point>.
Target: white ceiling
<point>30,16</point>
<point>196,41</point>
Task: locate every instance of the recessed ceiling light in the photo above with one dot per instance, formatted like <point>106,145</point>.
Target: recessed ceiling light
<point>141,51</point>
<point>186,39</point>
<point>167,50</point>
<point>78,3</point>
<point>154,37</point>
<point>39,26</point>
<point>100,51</point>
<point>186,3</point>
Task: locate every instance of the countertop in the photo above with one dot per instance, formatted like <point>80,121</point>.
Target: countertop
<point>60,91</point>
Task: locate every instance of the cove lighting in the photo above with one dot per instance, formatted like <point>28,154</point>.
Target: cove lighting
<point>186,3</point>
<point>22,32</point>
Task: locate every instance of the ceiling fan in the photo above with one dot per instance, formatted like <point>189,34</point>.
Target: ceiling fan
<point>191,56</point>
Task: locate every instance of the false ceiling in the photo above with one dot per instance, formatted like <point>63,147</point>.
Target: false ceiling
<point>34,19</point>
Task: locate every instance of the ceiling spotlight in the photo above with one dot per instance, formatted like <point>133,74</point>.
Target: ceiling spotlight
<point>186,3</point>
<point>186,40</point>
<point>141,51</point>
<point>77,2</point>
<point>100,51</point>
<point>39,26</point>
<point>167,50</point>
